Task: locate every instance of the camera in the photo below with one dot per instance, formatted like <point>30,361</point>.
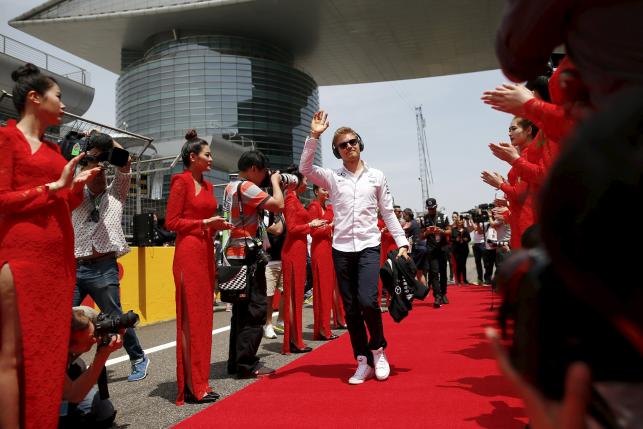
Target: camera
<point>498,243</point>
<point>105,325</point>
<point>254,251</point>
<point>550,328</point>
<point>75,143</point>
<point>287,180</point>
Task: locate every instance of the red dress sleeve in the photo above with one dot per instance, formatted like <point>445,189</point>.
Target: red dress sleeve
<point>548,117</point>
<point>296,225</point>
<point>174,219</point>
<point>12,201</point>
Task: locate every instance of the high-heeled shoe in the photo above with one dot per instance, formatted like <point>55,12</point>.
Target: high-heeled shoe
<point>332,337</point>
<point>208,397</point>
<point>340,326</point>
<point>295,349</point>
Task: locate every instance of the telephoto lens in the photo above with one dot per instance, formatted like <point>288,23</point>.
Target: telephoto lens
<point>106,324</point>
<point>288,180</point>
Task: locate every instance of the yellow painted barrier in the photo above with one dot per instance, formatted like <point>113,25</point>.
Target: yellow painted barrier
<point>147,286</point>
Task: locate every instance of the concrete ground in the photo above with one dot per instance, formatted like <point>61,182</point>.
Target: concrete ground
<point>149,403</point>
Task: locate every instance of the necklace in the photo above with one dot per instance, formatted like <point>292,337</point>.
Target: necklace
<point>94,215</point>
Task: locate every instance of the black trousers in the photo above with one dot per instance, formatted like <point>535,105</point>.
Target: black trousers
<point>461,255</point>
<point>438,271</point>
<point>357,274</point>
<point>246,327</point>
<point>478,251</point>
<point>489,262</point>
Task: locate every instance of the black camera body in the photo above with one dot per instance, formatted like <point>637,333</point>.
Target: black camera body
<point>75,143</point>
<point>107,325</point>
<point>255,252</point>
<point>551,328</point>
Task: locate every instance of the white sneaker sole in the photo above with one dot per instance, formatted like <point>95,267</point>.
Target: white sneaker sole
<point>359,380</point>
<point>382,378</point>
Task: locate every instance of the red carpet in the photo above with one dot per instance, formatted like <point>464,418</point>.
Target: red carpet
<point>442,376</point>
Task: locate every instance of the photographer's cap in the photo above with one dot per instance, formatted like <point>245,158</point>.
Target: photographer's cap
<point>431,203</point>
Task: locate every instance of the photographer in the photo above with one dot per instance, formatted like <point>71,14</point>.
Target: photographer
<point>476,228</point>
<point>417,242</point>
<point>497,239</point>
<point>436,228</point>
<point>99,240</point>
<point>249,317</point>
<point>460,239</point>
<point>83,406</point>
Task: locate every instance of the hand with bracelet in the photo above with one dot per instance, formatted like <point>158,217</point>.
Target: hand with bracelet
<point>216,223</point>
<point>316,223</point>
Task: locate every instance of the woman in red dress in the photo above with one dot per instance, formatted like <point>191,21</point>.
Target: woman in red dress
<point>321,256</point>
<point>37,264</point>
<point>190,210</point>
<point>517,192</point>
<point>293,264</point>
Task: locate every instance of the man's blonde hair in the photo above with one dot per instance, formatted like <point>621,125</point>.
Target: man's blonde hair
<point>343,131</point>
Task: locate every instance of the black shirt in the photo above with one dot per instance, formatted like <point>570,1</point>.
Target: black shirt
<point>436,241</point>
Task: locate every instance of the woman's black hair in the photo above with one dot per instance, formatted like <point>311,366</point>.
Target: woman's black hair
<point>541,86</point>
<point>28,78</point>
<point>293,169</point>
<point>409,213</point>
<point>193,144</point>
<point>526,123</point>
<point>252,158</point>
<point>315,189</point>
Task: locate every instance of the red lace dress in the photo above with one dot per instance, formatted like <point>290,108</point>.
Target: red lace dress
<point>37,241</point>
<point>293,267</point>
<point>194,272</point>
<point>321,259</point>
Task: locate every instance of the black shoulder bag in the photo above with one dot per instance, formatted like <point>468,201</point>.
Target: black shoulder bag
<point>234,281</point>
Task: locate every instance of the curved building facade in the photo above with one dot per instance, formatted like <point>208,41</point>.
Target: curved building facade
<point>242,90</point>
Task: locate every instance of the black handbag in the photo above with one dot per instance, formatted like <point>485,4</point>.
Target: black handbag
<point>234,281</point>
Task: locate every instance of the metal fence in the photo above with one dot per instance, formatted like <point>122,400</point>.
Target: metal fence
<point>141,198</point>
<point>42,59</point>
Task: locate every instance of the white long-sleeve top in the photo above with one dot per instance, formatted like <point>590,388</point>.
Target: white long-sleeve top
<point>355,201</point>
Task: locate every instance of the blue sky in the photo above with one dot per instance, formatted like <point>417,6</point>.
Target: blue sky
<point>458,125</point>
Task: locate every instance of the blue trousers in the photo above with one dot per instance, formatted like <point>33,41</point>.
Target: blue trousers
<point>100,281</point>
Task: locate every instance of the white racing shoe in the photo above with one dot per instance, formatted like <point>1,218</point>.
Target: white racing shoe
<point>382,368</point>
<point>362,373</point>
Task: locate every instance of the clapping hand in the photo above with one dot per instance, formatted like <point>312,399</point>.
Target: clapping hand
<point>492,178</point>
<point>505,152</point>
<point>508,98</point>
<point>67,179</point>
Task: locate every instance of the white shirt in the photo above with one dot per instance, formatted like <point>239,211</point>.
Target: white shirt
<point>497,233</point>
<point>355,201</point>
<point>106,235</point>
<point>478,237</point>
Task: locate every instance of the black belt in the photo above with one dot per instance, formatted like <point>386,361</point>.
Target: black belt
<point>95,260</point>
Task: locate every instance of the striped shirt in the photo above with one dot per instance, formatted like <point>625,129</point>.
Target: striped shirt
<point>252,198</point>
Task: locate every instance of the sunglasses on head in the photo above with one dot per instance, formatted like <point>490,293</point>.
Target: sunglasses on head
<point>344,145</point>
